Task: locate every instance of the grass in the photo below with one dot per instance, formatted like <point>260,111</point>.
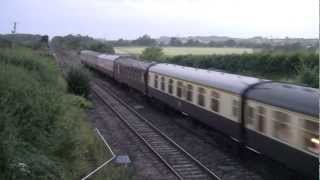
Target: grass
<point>44,133</point>
<point>173,51</point>
<point>111,171</point>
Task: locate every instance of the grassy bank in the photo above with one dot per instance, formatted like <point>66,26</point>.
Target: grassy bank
<point>43,131</point>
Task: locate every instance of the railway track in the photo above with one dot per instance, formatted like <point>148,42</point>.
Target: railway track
<point>180,162</point>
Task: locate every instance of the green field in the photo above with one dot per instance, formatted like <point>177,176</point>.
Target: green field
<point>173,51</point>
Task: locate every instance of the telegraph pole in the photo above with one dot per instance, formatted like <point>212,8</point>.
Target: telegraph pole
<point>14,28</point>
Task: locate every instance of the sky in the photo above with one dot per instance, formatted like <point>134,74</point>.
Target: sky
<point>128,19</point>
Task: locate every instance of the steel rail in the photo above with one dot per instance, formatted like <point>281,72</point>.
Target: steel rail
<point>111,93</point>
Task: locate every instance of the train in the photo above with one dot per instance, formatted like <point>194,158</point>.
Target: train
<point>279,120</point>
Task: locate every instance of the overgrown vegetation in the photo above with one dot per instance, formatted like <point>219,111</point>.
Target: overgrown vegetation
<point>78,81</point>
<point>43,134</point>
<point>298,67</point>
<point>152,54</point>
<point>35,42</point>
<point>79,42</point>
<point>101,47</point>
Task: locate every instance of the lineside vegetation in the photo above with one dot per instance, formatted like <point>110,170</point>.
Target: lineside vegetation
<point>301,68</point>
<point>43,131</point>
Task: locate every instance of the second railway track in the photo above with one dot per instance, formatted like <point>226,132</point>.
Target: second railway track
<point>180,162</point>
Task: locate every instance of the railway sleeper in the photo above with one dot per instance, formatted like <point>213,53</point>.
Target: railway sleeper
<point>185,172</point>
<point>182,165</point>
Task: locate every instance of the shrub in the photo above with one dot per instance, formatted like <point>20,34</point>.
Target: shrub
<point>101,47</point>
<point>265,65</point>
<point>78,81</point>
<point>152,54</point>
<point>43,133</point>
<point>309,76</point>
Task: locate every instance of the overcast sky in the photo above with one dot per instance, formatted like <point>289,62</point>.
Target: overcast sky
<point>113,19</point>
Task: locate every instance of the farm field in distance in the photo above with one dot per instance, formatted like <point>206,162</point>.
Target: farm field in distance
<point>173,51</point>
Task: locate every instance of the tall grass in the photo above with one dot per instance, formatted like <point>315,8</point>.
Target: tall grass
<point>78,81</point>
<point>43,132</point>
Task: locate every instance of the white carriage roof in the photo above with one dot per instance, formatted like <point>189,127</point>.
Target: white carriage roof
<point>220,80</point>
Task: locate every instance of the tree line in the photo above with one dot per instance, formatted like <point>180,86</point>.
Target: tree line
<point>301,68</point>
<point>282,46</point>
<point>298,68</point>
<point>78,42</point>
<point>35,42</point>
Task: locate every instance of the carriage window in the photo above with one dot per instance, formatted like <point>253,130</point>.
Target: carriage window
<point>179,89</point>
<point>281,127</point>
<point>261,119</point>
<point>162,83</point>
<point>235,108</point>
<point>156,81</point>
<point>201,94</point>
<point>170,86</point>
<point>311,136</point>
<point>215,101</point>
<point>311,126</point>
<point>190,92</point>
<point>250,115</point>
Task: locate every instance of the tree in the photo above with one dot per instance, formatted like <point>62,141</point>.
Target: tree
<point>152,54</point>
<point>192,42</point>
<point>145,40</point>
<point>175,42</point>
<point>101,47</point>
<point>308,76</point>
<point>230,43</point>
<point>121,42</point>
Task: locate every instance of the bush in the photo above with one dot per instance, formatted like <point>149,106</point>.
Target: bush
<point>101,47</point>
<point>265,65</point>
<point>43,134</point>
<point>78,81</point>
<point>309,76</point>
<point>152,54</point>
<point>32,127</point>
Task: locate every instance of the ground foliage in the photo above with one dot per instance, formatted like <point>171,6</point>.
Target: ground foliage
<point>78,81</point>
<point>294,67</point>
<point>43,134</point>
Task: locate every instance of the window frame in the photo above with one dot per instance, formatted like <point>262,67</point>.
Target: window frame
<point>261,119</point>
<point>189,93</point>
<point>250,115</point>
<point>179,92</point>
<point>215,96</point>
<point>235,108</point>
<point>201,96</point>
<point>155,82</point>
<point>170,86</point>
<point>163,83</point>
<point>281,124</point>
